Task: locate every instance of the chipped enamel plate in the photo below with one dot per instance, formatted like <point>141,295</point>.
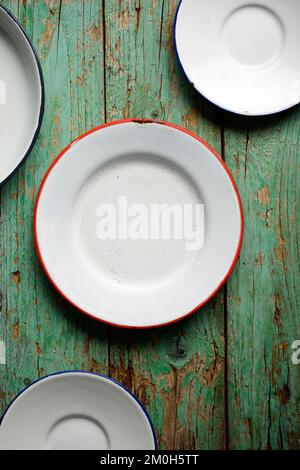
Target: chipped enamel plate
<point>127,281</point>
<point>243,56</point>
<point>76,410</point>
<point>21,94</point>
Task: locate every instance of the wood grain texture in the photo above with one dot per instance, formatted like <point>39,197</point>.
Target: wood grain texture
<point>263,295</point>
<point>223,377</point>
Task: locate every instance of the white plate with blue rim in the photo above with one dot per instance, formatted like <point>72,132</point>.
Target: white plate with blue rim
<point>243,56</point>
<point>76,410</point>
<point>21,94</point>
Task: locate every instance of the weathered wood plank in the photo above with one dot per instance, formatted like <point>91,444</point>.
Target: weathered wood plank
<point>263,294</point>
<point>177,371</point>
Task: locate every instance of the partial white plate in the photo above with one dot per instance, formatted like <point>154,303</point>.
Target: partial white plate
<point>76,411</point>
<point>21,94</point>
<point>241,55</point>
<point>136,283</point>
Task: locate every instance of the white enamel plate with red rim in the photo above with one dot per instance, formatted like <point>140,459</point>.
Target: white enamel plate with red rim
<point>21,95</point>
<point>131,282</point>
<point>76,410</point>
<point>241,55</point>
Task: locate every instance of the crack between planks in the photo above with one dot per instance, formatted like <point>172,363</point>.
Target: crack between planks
<point>246,152</point>
<point>226,366</point>
<point>161,30</point>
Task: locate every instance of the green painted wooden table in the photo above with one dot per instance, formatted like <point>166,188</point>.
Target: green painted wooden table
<point>224,377</point>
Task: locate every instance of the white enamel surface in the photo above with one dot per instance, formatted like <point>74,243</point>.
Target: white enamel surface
<point>75,411</point>
<point>136,283</point>
<point>20,95</point>
<point>241,55</point>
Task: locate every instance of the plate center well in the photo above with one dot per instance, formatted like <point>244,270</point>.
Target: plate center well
<point>253,35</point>
<point>138,221</point>
<point>77,433</point>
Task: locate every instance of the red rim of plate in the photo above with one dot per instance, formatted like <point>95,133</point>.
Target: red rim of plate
<point>139,121</point>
